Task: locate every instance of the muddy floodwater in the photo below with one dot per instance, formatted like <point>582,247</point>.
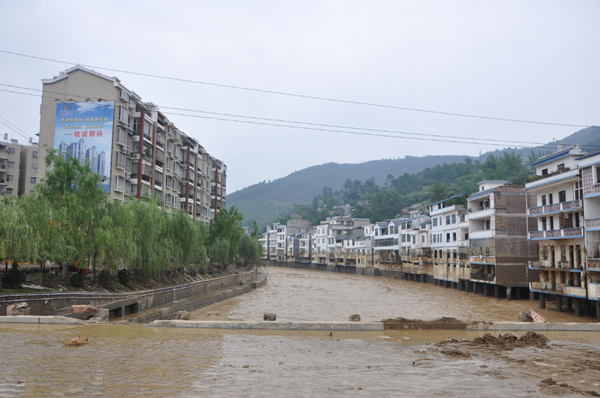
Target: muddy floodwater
<point>295,294</point>
<point>142,361</point>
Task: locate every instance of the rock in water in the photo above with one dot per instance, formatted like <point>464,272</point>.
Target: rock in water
<point>270,317</point>
<point>76,342</point>
<point>525,317</point>
<point>354,318</point>
<point>183,315</point>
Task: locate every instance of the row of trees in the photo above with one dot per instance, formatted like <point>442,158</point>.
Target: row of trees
<point>70,219</point>
<point>430,185</point>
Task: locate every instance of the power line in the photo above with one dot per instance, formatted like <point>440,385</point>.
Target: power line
<point>229,86</point>
<point>298,122</point>
<point>7,121</point>
<point>312,128</point>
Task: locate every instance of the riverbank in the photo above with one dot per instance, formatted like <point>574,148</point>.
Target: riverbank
<point>146,305</point>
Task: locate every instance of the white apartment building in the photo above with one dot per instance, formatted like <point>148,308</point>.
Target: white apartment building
<point>557,208</point>
<point>445,238</point>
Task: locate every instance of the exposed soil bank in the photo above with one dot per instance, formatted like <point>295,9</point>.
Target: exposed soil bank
<point>559,368</point>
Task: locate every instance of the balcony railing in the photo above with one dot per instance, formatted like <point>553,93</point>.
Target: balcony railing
<point>557,233</point>
<point>555,207</point>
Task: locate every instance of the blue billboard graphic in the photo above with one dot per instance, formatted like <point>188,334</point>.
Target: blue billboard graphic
<point>84,130</point>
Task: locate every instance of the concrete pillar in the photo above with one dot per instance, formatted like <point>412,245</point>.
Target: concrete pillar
<point>542,301</point>
<point>446,284</point>
<point>486,289</point>
<point>423,278</point>
<point>531,295</point>
<point>467,287</point>
<point>586,306</point>
<point>496,291</point>
<point>435,282</point>
<point>598,311</point>
<point>558,301</point>
<point>518,292</point>
<point>569,303</point>
<point>509,293</point>
<point>577,306</point>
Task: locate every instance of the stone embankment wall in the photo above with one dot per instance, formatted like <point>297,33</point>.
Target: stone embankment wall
<point>192,305</point>
<point>57,303</point>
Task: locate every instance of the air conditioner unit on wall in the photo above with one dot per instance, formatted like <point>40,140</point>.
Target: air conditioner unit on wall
<point>127,174</point>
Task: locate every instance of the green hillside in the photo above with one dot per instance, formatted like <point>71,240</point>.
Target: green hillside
<point>265,201</point>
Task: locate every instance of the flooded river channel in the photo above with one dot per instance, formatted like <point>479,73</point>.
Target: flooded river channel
<point>295,294</point>
<point>141,361</point>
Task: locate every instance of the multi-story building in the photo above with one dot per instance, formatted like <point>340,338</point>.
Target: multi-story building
<point>18,167</point>
<point>415,248</point>
<point>149,157</point>
<point>499,249</point>
<point>10,162</point>
<point>445,239</point>
<point>590,193</point>
<point>557,207</point>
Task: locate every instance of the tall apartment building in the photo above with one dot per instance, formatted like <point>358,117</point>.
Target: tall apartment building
<point>499,249</point>
<point>558,209</point>
<point>18,167</point>
<point>148,155</point>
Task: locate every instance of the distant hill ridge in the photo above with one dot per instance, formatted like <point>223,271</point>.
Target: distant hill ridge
<point>264,201</point>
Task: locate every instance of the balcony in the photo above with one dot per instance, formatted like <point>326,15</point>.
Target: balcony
<point>483,213</point>
<point>592,223</point>
<point>555,208</point>
<point>482,260</point>
<point>566,233</point>
<point>574,291</point>
<point>594,291</point>
<point>547,286</point>
<point>482,234</point>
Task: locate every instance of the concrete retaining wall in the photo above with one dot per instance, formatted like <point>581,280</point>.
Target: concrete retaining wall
<point>46,320</point>
<point>56,303</point>
<point>275,325</point>
<point>192,305</point>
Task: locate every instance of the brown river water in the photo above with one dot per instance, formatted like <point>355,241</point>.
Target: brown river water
<point>139,361</point>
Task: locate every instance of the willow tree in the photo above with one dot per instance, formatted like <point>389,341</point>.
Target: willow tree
<point>220,252</point>
<point>250,252</point>
<point>226,225</point>
<point>153,245</point>
<point>13,231</point>
<point>45,238</point>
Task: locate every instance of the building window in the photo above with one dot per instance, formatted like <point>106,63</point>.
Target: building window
<point>123,115</point>
<point>543,200</point>
<point>435,222</point>
<point>448,238</point>
<point>34,154</point>
<point>11,150</point>
<point>561,167</point>
<point>453,236</point>
<point>562,196</point>
<point>545,172</point>
<point>453,218</point>
<point>33,180</point>
<point>124,95</point>
<point>447,220</point>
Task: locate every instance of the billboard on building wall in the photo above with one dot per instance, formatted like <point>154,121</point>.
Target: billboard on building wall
<point>85,130</point>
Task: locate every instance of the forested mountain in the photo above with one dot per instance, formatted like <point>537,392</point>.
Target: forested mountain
<point>266,201</point>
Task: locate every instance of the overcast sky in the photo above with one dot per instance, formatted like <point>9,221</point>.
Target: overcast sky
<point>535,60</point>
